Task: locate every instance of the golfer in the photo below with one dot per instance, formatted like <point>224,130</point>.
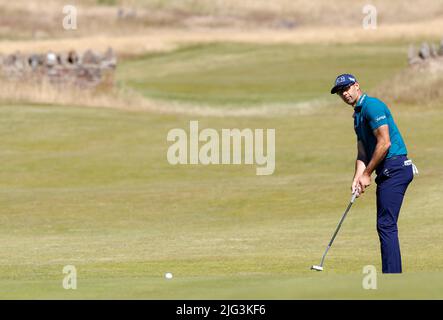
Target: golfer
<point>380,148</point>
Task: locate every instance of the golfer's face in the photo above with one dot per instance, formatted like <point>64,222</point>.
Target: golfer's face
<point>349,94</point>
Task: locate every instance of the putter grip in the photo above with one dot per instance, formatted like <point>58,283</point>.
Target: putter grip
<point>354,196</point>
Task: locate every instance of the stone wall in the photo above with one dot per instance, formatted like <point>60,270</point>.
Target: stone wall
<point>428,53</point>
<point>82,70</point>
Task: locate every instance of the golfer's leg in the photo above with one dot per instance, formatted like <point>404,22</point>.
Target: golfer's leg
<point>390,194</point>
<point>388,207</point>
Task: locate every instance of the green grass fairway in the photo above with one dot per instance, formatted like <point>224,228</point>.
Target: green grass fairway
<point>244,74</point>
<point>91,187</point>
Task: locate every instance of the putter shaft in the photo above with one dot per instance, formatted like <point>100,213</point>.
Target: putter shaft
<point>354,196</point>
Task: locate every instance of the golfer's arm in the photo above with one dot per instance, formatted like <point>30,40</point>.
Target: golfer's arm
<point>361,161</point>
<point>381,148</point>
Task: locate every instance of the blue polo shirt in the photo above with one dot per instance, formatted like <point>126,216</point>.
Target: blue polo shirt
<point>369,114</point>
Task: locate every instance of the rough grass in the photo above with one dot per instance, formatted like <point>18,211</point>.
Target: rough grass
<point>420,86</point>
<point>212,13</point>
<point>147,40</point>
<point>25,20</point>
<point>305,12</point>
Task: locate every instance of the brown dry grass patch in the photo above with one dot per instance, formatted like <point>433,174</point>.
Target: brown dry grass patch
<point>420,86</point>
<point>169,39</point>
<point>19,92</point>
<point>30,20</point>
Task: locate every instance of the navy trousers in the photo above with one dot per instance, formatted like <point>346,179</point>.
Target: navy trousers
<point>393,178</point>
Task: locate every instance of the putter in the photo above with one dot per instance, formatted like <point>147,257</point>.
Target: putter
<point>320,267</point>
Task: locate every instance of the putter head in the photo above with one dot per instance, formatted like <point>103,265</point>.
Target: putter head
<point>317,268</point>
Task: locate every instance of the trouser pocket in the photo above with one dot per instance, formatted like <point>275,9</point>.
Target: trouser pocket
<point>399,169</point>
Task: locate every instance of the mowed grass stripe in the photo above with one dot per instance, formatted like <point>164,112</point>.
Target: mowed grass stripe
<point>248,74</point>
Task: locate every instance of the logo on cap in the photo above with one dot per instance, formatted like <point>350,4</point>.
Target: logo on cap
<point>343,80</point>
<point>340,80</point>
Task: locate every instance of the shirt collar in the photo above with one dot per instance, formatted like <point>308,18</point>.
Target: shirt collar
<point>360,102</point>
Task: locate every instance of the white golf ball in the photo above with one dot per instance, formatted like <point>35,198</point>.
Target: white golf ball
<point>168,275</point>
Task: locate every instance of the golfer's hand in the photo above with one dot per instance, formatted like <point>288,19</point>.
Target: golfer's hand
<point>355,187</point>
<point>363,182</point>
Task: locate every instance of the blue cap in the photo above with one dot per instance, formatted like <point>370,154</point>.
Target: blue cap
<point>342,81</point>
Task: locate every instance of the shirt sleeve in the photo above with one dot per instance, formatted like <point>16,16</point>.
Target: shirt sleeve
<point>376,115</point>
